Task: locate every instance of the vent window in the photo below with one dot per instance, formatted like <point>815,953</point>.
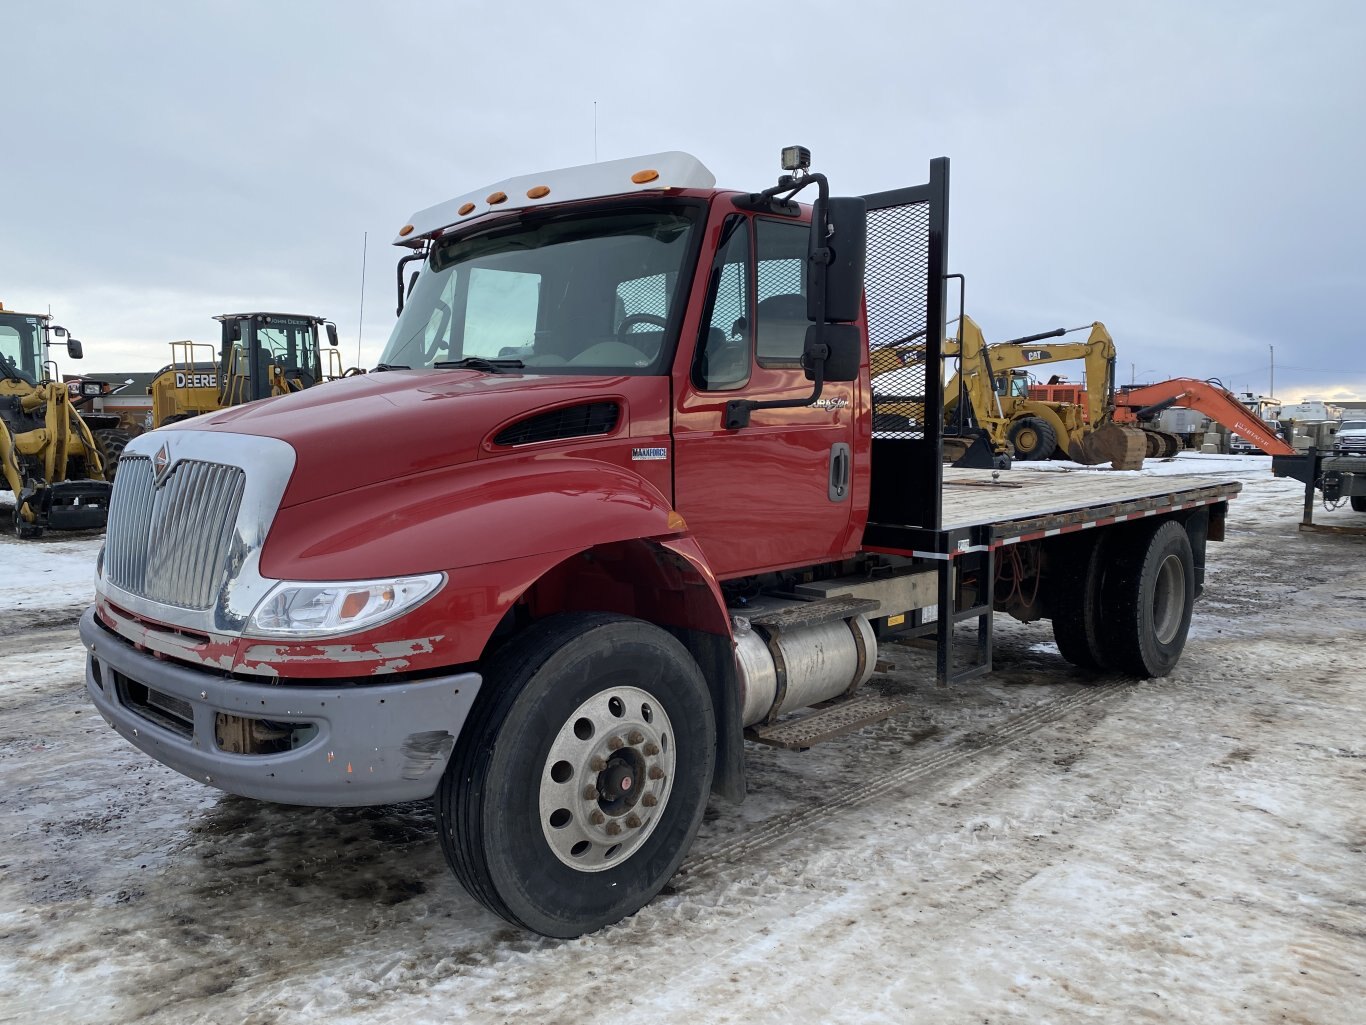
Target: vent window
<point>583,421</point>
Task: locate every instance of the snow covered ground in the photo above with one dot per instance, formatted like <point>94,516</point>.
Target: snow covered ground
<point>1035,846</point>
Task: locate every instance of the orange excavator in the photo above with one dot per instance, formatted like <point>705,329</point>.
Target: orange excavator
<point>1142,404</point>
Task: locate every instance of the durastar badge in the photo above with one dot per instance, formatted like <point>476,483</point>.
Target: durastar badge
<point>649,453</point>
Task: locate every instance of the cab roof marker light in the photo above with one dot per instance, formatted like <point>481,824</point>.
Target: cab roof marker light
<point>498,197</point>
<point>673,170</point>
<point>645,176</point>
<point>537,192</point>
<point>405,231</point>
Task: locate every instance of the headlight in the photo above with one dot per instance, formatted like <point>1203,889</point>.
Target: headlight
<point>312,609</point>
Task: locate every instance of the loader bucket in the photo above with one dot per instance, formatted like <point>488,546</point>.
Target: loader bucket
<point>1122,447</point>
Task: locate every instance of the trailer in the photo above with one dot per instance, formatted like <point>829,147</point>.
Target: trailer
<point>1336,475</point>
<point>611,504</point>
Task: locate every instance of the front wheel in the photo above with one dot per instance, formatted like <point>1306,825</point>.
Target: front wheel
<point>1033,438</point>
<point>580,779</point>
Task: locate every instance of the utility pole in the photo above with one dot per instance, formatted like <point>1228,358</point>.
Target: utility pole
<point>1132,375</point>
<point>1272,393</point>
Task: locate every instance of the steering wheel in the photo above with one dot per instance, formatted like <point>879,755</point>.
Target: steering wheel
<point>624,328</point>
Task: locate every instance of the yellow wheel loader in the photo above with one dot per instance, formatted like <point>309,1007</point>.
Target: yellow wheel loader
<point>987,393</point>
<point>49,457</point>
<point>260,355</point>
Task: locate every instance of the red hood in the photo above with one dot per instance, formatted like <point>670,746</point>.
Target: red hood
<point>383,426</point>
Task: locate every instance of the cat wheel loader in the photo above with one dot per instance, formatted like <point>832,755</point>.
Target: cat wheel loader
<point>990,392</point>
<point>260,355</point>
<point>49,457</point>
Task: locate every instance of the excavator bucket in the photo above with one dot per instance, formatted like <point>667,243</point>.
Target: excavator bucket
<point>1122,447</point>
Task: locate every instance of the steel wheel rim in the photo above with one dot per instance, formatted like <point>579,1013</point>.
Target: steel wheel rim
<point>607,778</point>
<point>1169,599</point>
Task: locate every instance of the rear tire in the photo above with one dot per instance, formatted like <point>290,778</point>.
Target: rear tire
<point>517,825</point>
<point>1147,597</point>
<point>1076,602</point>
<point>112,442</point>
<point>1033,439</point>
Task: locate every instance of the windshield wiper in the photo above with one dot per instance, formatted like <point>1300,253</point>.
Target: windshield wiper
<point>492,366</point>
<point>391,366</point>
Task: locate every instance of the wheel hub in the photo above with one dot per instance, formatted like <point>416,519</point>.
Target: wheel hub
<point>607,778</point>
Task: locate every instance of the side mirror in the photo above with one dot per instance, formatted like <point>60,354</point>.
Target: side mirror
<point>842,347</point>
<point>73,349</point>
<point>846,238</point>
<point>332,335</point>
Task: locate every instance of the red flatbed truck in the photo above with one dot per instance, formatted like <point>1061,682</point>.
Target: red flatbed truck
<point>612,501</point>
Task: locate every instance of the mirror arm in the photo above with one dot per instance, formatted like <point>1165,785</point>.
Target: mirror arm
<point>738,410</point>
<point>421,254</point>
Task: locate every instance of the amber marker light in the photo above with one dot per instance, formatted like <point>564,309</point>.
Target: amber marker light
<point>404,231</point>
<point>641,177</point>
<point>498,197</point>
<point>466,208</point>
<point>537,192</point>
<point>677,522</point>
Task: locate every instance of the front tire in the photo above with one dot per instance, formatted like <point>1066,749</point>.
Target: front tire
<point>112,442</point>
<point>579,702</point>
<point>1148,595</point>
<point>1033,439</point>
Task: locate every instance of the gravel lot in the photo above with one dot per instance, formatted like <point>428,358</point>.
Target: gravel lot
<point>1036,846</point>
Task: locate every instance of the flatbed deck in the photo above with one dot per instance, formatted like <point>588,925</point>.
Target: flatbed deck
<point>988,509</point>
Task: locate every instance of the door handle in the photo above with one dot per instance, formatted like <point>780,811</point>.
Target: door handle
<point>840,464</point>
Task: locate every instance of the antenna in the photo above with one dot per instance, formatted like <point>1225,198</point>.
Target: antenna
<point>360,327</point>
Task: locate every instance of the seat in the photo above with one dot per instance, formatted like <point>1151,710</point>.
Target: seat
<point>780,327</point>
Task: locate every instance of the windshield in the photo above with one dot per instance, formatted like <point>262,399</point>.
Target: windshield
<point>21,342</point>
<point>292,345</point>
<point>585,293</point>
<point>1353,425</point>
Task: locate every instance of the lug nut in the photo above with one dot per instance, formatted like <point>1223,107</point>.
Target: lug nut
<point>649,800</point>
<point>615,744</point>
<point>597,764</point>
<point>651,749</point>
<point>613,828</point>
<point>656,772</point>
<point>597,818</point>
<point>590,793</point>
<point>636,737</point>
<point>633,821</point>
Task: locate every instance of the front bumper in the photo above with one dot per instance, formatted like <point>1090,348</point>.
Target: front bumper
<point>347,745</point>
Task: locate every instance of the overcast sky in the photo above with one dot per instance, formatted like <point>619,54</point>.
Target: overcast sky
<point>1189,173</point>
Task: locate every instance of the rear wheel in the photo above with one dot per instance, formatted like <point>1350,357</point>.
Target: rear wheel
<point>112,442</point>
<point>1033,438</point>
<point>1076,601</point>
<point>1147,597</point>
<point>581,776</point>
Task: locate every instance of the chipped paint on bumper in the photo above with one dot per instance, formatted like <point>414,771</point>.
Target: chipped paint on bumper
<point>374,743</point>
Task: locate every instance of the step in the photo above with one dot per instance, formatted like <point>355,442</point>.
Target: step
<point>811,613</point>
<point>830,719</point>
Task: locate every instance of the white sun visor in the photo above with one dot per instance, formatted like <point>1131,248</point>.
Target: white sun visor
<point>652,172</point>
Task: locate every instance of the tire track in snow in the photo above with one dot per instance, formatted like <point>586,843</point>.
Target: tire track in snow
<point>784,826</point>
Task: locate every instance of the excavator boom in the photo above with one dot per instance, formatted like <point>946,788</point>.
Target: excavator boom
<point>1217,403</point>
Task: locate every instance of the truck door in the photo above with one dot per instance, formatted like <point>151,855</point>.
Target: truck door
<point>779,492</point>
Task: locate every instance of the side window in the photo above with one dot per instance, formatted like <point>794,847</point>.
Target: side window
<point>723,350</point>
<point>780,313</point>
<point>500,313</point>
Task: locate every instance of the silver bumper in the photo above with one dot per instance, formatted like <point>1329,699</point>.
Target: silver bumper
<point>367,743</point>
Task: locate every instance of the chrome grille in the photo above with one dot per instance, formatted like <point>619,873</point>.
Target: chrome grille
<point>170,544</point>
